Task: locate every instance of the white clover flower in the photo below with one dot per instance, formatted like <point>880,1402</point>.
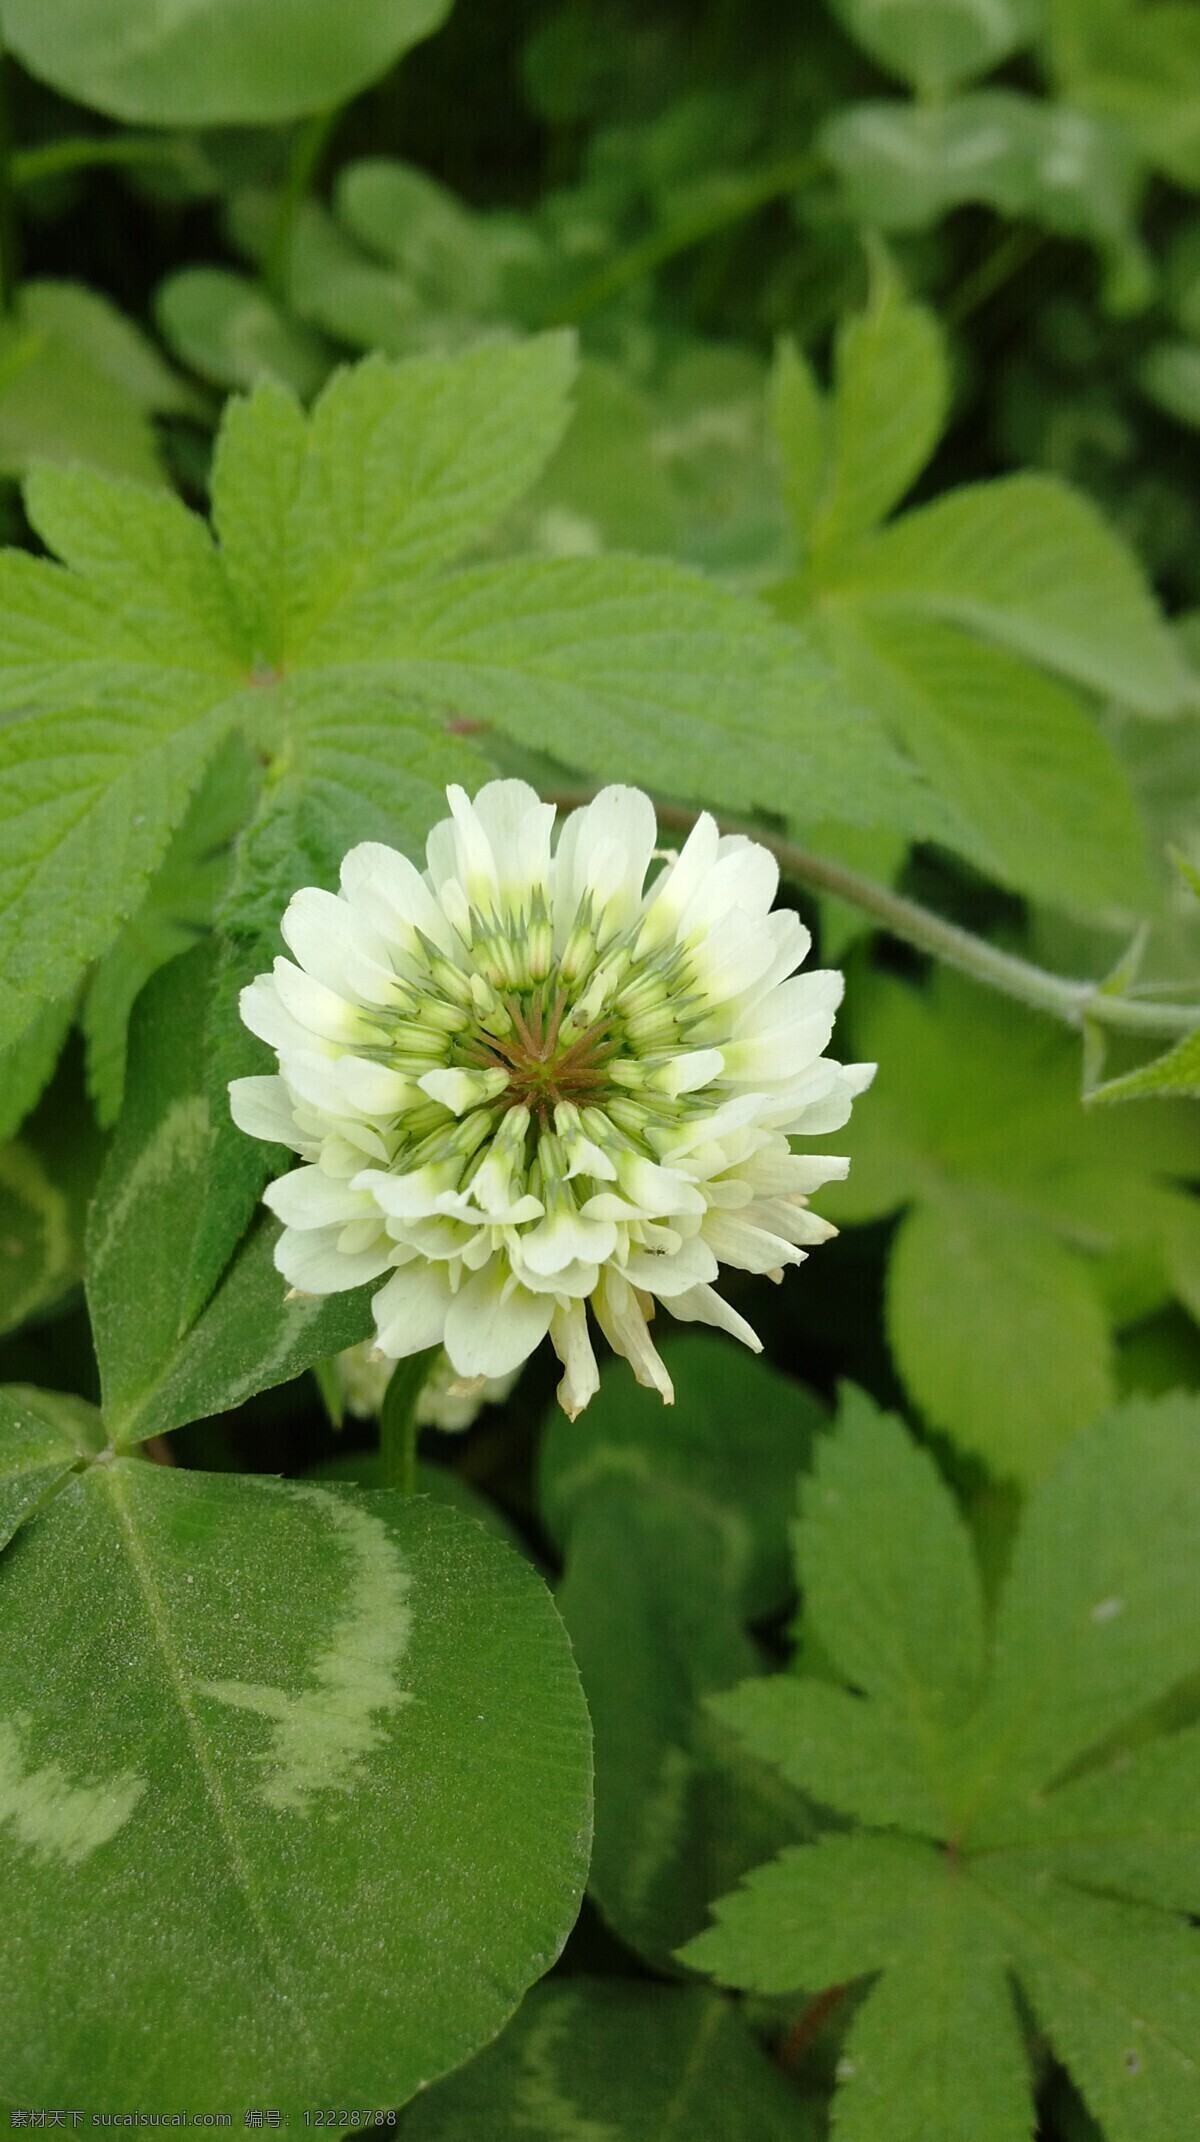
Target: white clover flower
<point>524,1080</point>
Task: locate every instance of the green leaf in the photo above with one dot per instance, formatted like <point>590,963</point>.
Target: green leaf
<point>1012,753</point>
<point>1076,1889</point>
<point>904,166</point>
<point>727,1450</point>
<point>650,1604</point>
<point>217,63</point>
<point>1100,1615</point>
<point>43,1435</point>
<point>401,467</point>
<point>888,411</point>
<point>674,1527</point>
<point>230,331</point>
<point>1141,68</point>
<point>26,1070</point>
<point>163,1223</point>
<point>645,665</point>
<point>1027,562</point>
<point>1021,1199</point>
<point>79,383</point>
<point>606,2060</point>
<point>321,624</point>
<point>420,227</point>
<point>911,1632</point>
<point>329,1747</point>
<point>799,421</point>
<point>934,44</point>
<point>1176,1072</point>
<point>176,911</point>
<point>998,1332</point>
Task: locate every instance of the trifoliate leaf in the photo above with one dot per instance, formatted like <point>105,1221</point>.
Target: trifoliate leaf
<point>936,43</point>
<point>324,1717</point>
<point>1076,1889</point>
<point>43,1435</point>
<point>229,330</point>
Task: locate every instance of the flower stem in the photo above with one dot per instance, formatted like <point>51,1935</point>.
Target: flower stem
<point>1077,1003</point>
<point>398,1421</point>
<point>308,147</point>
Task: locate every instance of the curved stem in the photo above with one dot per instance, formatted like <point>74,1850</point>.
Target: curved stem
<point>663,244</point>
<point>1077,1003</point>
<point>307,150</point>
<point>82,152</point>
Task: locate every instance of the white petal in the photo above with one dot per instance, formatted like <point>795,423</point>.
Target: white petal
<point>410,1312</point>
<point>688,1072</point>
<point>459,1090</point>
<point>680,881</point>
<point>705,1306</point>
<point>782,1032</point>
<point>748,1248</point>
<point>264,1013</point>
<point>494,1324</point>
<point>318,1009</point>
<point>372,1089</point>
<point>337,946</point>
<point>312,1262</point>
<point>744,875</point>
<point>564,1238</point>
<point>572,1343</point>
<point>261,1107</point>
<point>622,1320</point>
<point>392,894</point>
<point>692,1264</point>
<point>605,850</point>
<point>309,1198</point>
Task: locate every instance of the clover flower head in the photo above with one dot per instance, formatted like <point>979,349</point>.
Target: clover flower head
<point>538,1075</point>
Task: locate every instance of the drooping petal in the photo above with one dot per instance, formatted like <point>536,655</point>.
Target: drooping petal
<point>572,1343</point>
<point>410,1312</point>
<point>493,1323</point>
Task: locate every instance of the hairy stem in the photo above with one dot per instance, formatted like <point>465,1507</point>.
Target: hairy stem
<point>1077,1003</point>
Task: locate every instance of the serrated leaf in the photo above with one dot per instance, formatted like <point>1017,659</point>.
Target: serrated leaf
<point>890,393</point>
<point>799,420</point>
<point>1100,1614</point>
<point>43,1435</point>
<point>1047,1882</point>
<point>998,1332</point>
<point>1011,752</point>
<point>888,1578</point>
<point>328,1748</point>
<point>402,466</point>
<point>1028,562</point>
<point>217,63</point>
<point>1177,1072</point>
<point>607,2060</point>
<point>26,1069</point>
<point>646,665</point>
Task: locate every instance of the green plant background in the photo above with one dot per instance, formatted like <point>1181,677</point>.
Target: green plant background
<point>797,413</point>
